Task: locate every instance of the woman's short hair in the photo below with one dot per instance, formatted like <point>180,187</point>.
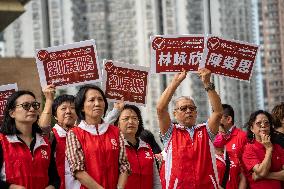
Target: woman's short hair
<point>59,100</point>
<point>138,112</point>
<point>8,126</point>
<point>252,119</point>
<point>81,97</point>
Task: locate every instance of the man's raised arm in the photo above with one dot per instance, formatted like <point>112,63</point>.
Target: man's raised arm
<point>214,99</point>
<point>163,102</point>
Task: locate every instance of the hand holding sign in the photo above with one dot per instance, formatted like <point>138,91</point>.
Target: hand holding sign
<point>230,58</point>
<point>175,53</point>
<point>71,64</point>
<point>125,81</point>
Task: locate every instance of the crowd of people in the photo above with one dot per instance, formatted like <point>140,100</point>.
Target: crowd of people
<point>86,148</point>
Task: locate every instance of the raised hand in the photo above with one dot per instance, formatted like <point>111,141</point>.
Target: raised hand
<point>179,77</point>
<point>119,104</point>
<point>204,75</point>
<point>49,92</point>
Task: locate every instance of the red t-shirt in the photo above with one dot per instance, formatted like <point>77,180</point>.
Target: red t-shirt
<point>254,154</point>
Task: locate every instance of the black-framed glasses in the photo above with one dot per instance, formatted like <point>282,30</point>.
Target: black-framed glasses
<point>185,108</point>
<point>27,105</point>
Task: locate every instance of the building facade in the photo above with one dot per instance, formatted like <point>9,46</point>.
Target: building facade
<point>271,16</point>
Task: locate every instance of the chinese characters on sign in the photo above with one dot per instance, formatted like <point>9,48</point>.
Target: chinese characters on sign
<point>5,92</point>
<point>71,64</point>
<point>174,53</point>
<point>230,58</point>
<point>125,80</point>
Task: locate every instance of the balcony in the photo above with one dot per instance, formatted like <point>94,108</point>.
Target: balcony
<point>10,10</point>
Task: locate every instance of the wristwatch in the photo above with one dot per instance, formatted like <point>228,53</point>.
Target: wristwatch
<point>210,86</point>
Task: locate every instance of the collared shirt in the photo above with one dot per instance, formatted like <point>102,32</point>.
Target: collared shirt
<point>166,137</point>
<point>75,153</point>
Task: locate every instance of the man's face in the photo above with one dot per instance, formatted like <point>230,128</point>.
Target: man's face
<point>185,112</point>
<point>226,122</point>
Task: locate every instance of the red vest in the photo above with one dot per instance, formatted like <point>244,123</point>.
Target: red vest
<point>23,168</point>
<point>141,163</point>
<point>101,155</point>
<point>60,156</point>
<point>191,162</point>
<point>221,167</point>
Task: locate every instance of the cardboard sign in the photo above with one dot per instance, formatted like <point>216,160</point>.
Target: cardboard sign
<point>171,53</point>
<point>5,92</point>
<point>230,58</point>
<point>72,64</point>
<point>125,80</point>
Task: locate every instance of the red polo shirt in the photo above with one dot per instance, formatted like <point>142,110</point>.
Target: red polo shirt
<point>236,142</point>
<point>254,154</point>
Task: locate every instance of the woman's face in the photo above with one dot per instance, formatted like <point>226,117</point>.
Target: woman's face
<point>128,122</point>
<point>261,125</point>
<point>66,114</point>
<point>26,109</point>
<point>94,105</point>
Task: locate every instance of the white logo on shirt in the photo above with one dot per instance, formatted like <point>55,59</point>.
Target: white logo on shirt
<point>44,154</point>
<point>233,146</point>
<point>148,155</point>
<point>232,164</point>
<point>114,144</point>
<point>200,134</point>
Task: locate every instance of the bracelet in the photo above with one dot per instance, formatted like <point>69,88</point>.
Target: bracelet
<point>210,86</point>
<point>119,187</point>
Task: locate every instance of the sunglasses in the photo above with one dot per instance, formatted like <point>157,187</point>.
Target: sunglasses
<point>185,108</point>
<point>264,123</point>
<point>27,105</point>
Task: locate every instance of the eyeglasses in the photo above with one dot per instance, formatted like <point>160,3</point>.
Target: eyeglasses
<point>265,123</point>
<point>134,119</point>
<point>27,105</point>
<point>185,108</point>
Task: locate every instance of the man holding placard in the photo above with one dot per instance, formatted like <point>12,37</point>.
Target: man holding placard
<point>188,162</point>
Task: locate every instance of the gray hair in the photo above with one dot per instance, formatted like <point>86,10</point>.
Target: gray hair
<point>175,101</point>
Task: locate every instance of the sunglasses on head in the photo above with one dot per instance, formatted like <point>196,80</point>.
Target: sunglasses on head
<point>27,105</point>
